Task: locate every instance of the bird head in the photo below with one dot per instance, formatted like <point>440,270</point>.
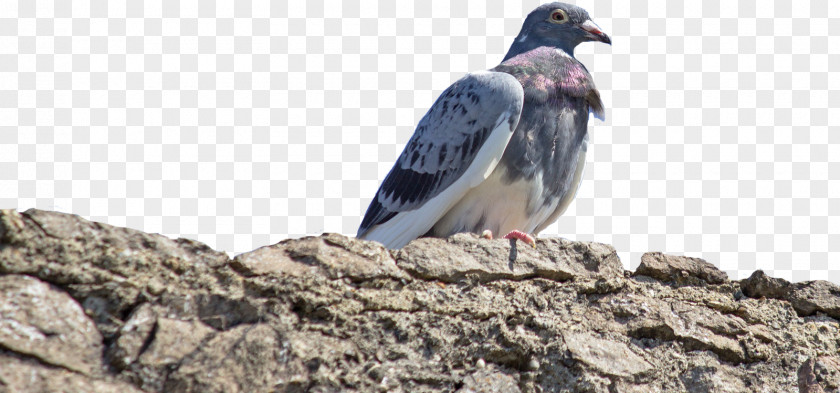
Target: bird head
<point>558,25</point>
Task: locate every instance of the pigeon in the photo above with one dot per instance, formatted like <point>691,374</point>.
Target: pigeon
<point>500,151</point>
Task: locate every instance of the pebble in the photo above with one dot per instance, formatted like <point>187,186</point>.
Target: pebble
<point>155,286</point>
<point>533,364</point>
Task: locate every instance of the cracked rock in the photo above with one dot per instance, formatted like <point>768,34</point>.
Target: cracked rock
<point>87,307</point>
<point>465,255</point>
<point>609,357</point>
<point>332,255</point>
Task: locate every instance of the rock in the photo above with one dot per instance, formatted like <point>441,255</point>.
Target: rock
<point>173,341</point>
<point>40,321</point>
<point>608,357</point>
<point>760,285</point>
<point>332,255</point>
<point>150,343</point>
<point>819,375</point>
<point>806,298</point>
<point>487,381</point>
<point>89,307</point>
<point>679,269</point>
<point>697,328</point>
<point>133,336</point>
<point>462,255</point>
<point>21,375</point>
<point>816,296</point>
<point>711,380</point>
<point>704,328</point>
<point>105,268</point>
<point>248,358</point>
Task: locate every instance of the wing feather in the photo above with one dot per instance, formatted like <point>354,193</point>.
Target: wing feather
<point>454,147</point>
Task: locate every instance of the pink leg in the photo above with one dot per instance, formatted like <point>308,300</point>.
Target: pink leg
<point>519,235</point>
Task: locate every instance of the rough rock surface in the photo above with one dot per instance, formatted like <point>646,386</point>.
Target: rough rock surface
<point>89,307</point>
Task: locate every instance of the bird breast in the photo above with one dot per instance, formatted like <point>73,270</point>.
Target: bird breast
<point>534,182</point>
<point>498,205</point>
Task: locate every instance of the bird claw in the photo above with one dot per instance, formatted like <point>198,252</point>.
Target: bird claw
<point>514,234</point>
<point>519,235</point>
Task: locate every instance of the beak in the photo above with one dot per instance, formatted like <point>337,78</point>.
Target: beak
<point>595,32</point>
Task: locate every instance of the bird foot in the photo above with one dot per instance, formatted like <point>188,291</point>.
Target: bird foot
<point>487,234</point>
<point>519,235</point>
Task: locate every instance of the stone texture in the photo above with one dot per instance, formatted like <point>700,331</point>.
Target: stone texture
<point>807,298</point>
<point>108,270</point>
<point>820,375</point>
<point>608,357</point>
<point>18,374</point>
<point>133,336</point>
<point>247,358</point>
<point>174,340</point>
<point>467,255</point>
<point>149,344</point>
<point>332,255</point>
<point>761,285</point>
<point>712,380</point>
<point>89,307</point>
<point>43,322</point>
<point>679,269</point>
<point>487,381</point>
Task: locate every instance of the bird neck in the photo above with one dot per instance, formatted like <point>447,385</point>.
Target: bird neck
<point>521,45</point>
<point>547,71</point>
<point>544,59</point>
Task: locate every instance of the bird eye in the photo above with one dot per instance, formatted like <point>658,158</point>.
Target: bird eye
<point>558,16</point>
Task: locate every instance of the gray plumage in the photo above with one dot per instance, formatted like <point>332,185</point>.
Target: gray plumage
<point>502,149</point>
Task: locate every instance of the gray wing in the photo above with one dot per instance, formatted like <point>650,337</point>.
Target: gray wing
<point>444,146</point>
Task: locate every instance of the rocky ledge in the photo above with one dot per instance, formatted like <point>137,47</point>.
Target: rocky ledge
<point>86,306</point>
